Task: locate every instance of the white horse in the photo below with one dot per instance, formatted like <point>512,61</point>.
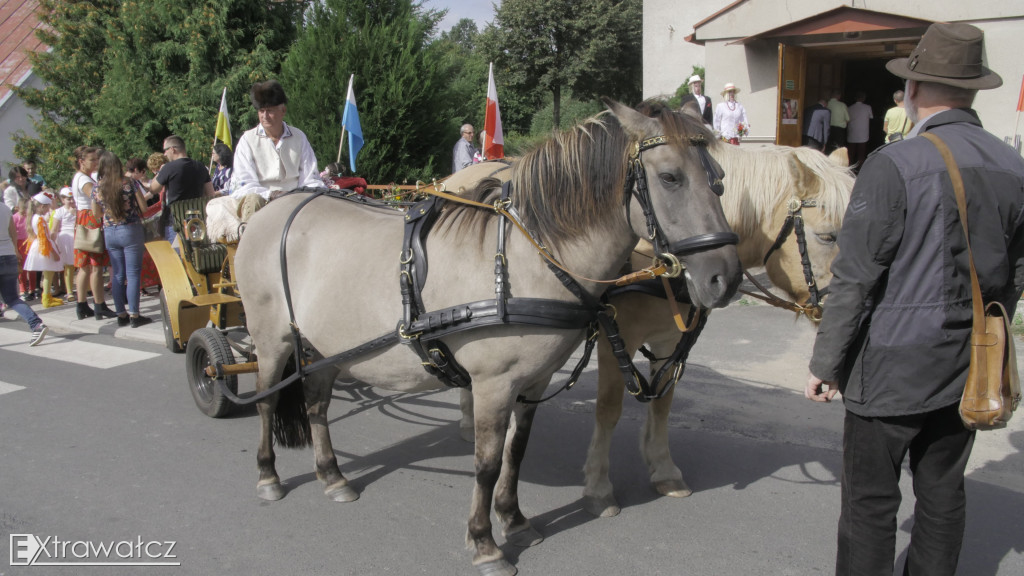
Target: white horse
<point>762,186</point>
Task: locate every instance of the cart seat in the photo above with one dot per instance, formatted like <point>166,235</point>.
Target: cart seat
<point>206,257</point>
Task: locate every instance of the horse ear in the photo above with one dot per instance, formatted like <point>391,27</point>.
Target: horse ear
<point>840,156</point>
<point>691,108</point>
<point>802,176</point>
<point>633,122</point>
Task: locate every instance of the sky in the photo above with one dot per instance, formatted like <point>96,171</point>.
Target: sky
<point>482,11</point>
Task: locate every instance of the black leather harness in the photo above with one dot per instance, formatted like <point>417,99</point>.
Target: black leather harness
<point>423,330</point>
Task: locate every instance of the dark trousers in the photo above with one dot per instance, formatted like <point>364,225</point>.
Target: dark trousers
<point>858,151</point>
<point>836,138</point>
<point>873,453</point>
<point>812,142</point>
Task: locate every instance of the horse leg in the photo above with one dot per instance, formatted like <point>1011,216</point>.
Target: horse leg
<point>319,388</point>
<point>490,424</point>
<point>515,526</point>
<point>466,410</point>
<point>598,496</point>
<point>269,485</point>
<point>665,476</point>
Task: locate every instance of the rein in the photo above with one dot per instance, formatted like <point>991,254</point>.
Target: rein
<point>794,223</point>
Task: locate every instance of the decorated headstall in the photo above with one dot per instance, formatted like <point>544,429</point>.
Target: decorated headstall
<point>794,223</point>
<point>636,186</point>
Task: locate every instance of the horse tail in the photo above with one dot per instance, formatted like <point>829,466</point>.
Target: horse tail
<point>291,421</point>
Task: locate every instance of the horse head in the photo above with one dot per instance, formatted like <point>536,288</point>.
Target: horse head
<point>787,206</point>
<point>672,199</point>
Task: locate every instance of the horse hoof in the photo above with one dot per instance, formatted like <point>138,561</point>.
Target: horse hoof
<point>500,567</point>
<point>467,434</point>
<point>343,493</point>
<point>271,492</point>
<point>524,538</point>
<point>673,488</point>
<point>601,507</point>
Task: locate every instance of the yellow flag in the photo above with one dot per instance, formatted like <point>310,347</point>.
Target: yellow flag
<point>223,132</point>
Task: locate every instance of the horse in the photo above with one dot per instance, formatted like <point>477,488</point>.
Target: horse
<point>763,186</point>
<point>569,195</point>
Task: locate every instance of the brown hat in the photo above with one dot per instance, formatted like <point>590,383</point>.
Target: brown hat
<point>948,54</point>
<point>267,94</point>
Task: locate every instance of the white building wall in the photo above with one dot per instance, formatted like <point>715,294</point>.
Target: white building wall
<point>668,57</point>
<point>15,116</point>
<point>753,68</point>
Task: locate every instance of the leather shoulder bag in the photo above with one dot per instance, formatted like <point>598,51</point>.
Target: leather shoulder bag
<point>992,391</point>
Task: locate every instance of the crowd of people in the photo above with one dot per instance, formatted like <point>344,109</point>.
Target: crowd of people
<point>42,259</point>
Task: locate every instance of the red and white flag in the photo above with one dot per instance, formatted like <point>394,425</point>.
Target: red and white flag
<point>1020,99</point>
<point>494,138</point>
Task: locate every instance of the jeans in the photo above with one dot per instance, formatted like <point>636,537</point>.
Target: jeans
<point>873,454</point>
<point>125,244</point>
<point>9,291</point>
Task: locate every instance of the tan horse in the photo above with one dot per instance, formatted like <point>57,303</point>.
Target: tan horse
<point>570,193</point>
<point>760,183</point>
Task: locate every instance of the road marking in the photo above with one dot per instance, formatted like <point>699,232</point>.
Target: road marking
<point>74,351</point>
<point>5,388</point>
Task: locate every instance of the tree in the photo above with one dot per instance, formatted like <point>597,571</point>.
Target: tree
<point>546,46</point>
<point>684,89</point>
<point>73,70</point>
<point>400,86</point>
<point>126,74</point>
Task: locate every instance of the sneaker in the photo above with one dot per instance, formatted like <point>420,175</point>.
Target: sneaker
<point>137,321</point>
<point>37,335</point>
<point>123,320</point>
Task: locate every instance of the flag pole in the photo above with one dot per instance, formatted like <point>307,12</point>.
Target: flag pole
<point>340,143</point>
<point>211,152</point>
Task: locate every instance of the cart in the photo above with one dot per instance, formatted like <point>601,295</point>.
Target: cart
<point>200,305</point>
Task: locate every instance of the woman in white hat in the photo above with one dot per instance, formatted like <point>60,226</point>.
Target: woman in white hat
<point>731,117</point>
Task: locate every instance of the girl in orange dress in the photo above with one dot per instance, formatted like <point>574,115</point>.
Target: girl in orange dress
<point>90,264</point>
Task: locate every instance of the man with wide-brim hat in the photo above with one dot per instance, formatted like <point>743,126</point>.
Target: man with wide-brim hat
<point>697,96</point>
<point>895,335</point>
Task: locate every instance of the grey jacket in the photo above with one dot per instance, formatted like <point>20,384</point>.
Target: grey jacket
<point>897,323</point>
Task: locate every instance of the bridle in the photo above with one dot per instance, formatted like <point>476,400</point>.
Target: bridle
<point>794,224</point>
<point>636,186</point>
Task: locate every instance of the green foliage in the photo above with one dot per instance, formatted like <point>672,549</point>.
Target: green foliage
<point>572,111</point>
<point>126,74</point>
<point>684,88</point>
<point>400,86</point>
<point>547,46</point>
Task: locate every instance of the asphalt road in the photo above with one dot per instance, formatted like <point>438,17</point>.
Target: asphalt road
<point>101,443</point>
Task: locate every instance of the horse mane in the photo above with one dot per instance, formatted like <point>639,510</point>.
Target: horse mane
<point>759,180</point>
<point>565,185</point>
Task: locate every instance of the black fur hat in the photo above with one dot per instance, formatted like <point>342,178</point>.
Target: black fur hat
<point>267,94</point>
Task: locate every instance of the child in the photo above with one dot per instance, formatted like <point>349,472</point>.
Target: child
<point>43,255</point>
<point>26,280</point>
<point>64,219</point>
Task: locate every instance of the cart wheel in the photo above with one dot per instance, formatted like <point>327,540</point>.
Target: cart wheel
<point>165,316</point>
<point>206,347</point>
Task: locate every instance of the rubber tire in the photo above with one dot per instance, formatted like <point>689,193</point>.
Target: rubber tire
<point>206,347</point>
<point>165,317</point>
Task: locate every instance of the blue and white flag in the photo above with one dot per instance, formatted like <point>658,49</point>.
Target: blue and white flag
<point>350,122</point>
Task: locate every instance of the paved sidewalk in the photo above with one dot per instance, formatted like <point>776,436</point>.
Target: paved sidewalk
<point>64,320</point>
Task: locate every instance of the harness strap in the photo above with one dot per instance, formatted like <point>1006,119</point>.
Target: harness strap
<point>296,335</point>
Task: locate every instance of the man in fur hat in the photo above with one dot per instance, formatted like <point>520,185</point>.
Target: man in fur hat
<point>895,334</point>
<point>272,156</point>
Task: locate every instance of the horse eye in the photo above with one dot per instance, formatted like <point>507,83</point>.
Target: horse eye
<point>826,237</point>
<point>667,178</point>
